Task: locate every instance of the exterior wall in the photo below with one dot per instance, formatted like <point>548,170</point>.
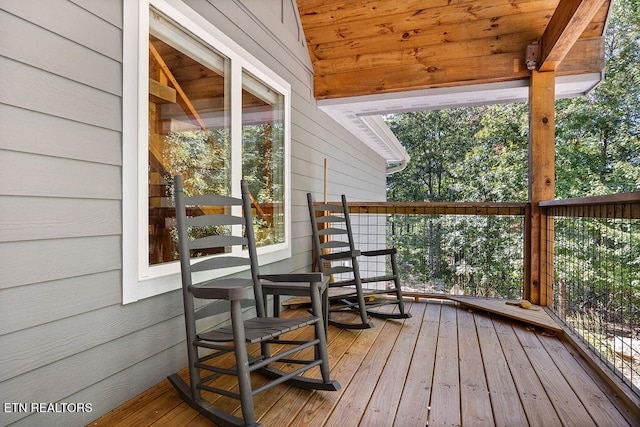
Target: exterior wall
<point>64,334</point>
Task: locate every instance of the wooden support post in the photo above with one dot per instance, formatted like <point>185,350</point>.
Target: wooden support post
<point>541,185</point>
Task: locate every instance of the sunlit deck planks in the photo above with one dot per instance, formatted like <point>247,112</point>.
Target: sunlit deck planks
<point>444,366</point>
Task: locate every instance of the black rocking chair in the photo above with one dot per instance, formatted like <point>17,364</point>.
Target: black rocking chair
<point>215,354</point>
<point>335,253</point>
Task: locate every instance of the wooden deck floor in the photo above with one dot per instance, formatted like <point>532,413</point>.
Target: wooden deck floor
<point>446,365</point>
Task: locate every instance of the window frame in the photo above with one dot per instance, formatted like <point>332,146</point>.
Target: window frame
<point>139,279</point>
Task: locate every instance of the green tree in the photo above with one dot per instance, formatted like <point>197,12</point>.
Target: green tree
<point>598,136</point>
<point>436,141</point>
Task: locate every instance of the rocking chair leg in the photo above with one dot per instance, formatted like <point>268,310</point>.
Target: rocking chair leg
<point>396,281</point>
<point>242,363</point>
<point>321,347</point>
<point>362,305</point>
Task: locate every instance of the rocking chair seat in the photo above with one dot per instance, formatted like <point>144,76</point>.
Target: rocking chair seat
<point>259,329</point>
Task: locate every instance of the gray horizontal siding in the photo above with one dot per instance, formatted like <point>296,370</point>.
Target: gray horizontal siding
<point>83,65</point>
<point>38,90</point>
<point>44,260</point>
<point>69,336</point>
<point>40,133</point>
<point>38,218</point>
<point>109,11</point>
<point>73,22</point>
<point>44,303</point>
<point>60,190</point>
<point>25,174</point>
<point>74,373</point>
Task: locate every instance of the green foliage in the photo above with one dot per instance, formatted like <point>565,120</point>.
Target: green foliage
<point>263,169</point>
<point>202,158</point>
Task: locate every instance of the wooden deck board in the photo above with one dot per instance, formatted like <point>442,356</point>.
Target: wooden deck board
<point>385,399</point>
<point>536,403</point>
<point>535,315</point>
<point>594,399</point>
<point>416,394</point>
<point>343,367</point>
<point>445,394</point>
<point>474,392</point>
<point>444,365</point>
<point>350,408</point>
<point>505,402</point>
<point>566,403</point>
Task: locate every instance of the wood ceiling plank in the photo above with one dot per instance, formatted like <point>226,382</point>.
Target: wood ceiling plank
<point>567,24</point>
<point>321,13</point>
<point>436,37</point>
<point>391,35</point>
<point>408,14</point>
<point>361,47</point>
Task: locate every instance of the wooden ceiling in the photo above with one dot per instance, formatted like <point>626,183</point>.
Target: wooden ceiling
<point>364,47</point>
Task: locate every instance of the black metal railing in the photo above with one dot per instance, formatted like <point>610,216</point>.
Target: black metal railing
<point>596,276</point>
<point>461,248</point>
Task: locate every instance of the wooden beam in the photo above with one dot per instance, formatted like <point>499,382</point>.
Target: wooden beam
<point>565,27</point>
<point>161,93</point>
<point>586,56</point>
<point>541,185</point>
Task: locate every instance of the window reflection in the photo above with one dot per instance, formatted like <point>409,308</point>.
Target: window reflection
<point>263,157</point>
<point>189,132</point>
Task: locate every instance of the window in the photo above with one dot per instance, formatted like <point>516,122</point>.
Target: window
<point>263,153</point>
<point>198,105</point>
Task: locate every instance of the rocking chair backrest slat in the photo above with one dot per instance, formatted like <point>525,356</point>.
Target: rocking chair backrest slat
<point>214,220</point>
<point>334,244</point>
<point>328,207</point>
<point>331,218</point>
<point>219,262</point>
<point>212,200</point>
<point>338,270</point>
<point>217,241</point>
<point>332,231</point>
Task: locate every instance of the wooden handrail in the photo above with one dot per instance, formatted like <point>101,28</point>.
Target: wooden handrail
<point>623,205</point>
<point>633,197</point>
<point>437,208</point>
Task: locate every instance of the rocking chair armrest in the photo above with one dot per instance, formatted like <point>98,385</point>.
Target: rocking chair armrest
<point>298,284</point>
<point>293,277</point>
<point>379,252</point>
<point>341,255</point>
<point>230,290</point>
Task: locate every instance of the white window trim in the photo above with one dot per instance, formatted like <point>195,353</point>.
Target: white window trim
<point>139,280</point>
